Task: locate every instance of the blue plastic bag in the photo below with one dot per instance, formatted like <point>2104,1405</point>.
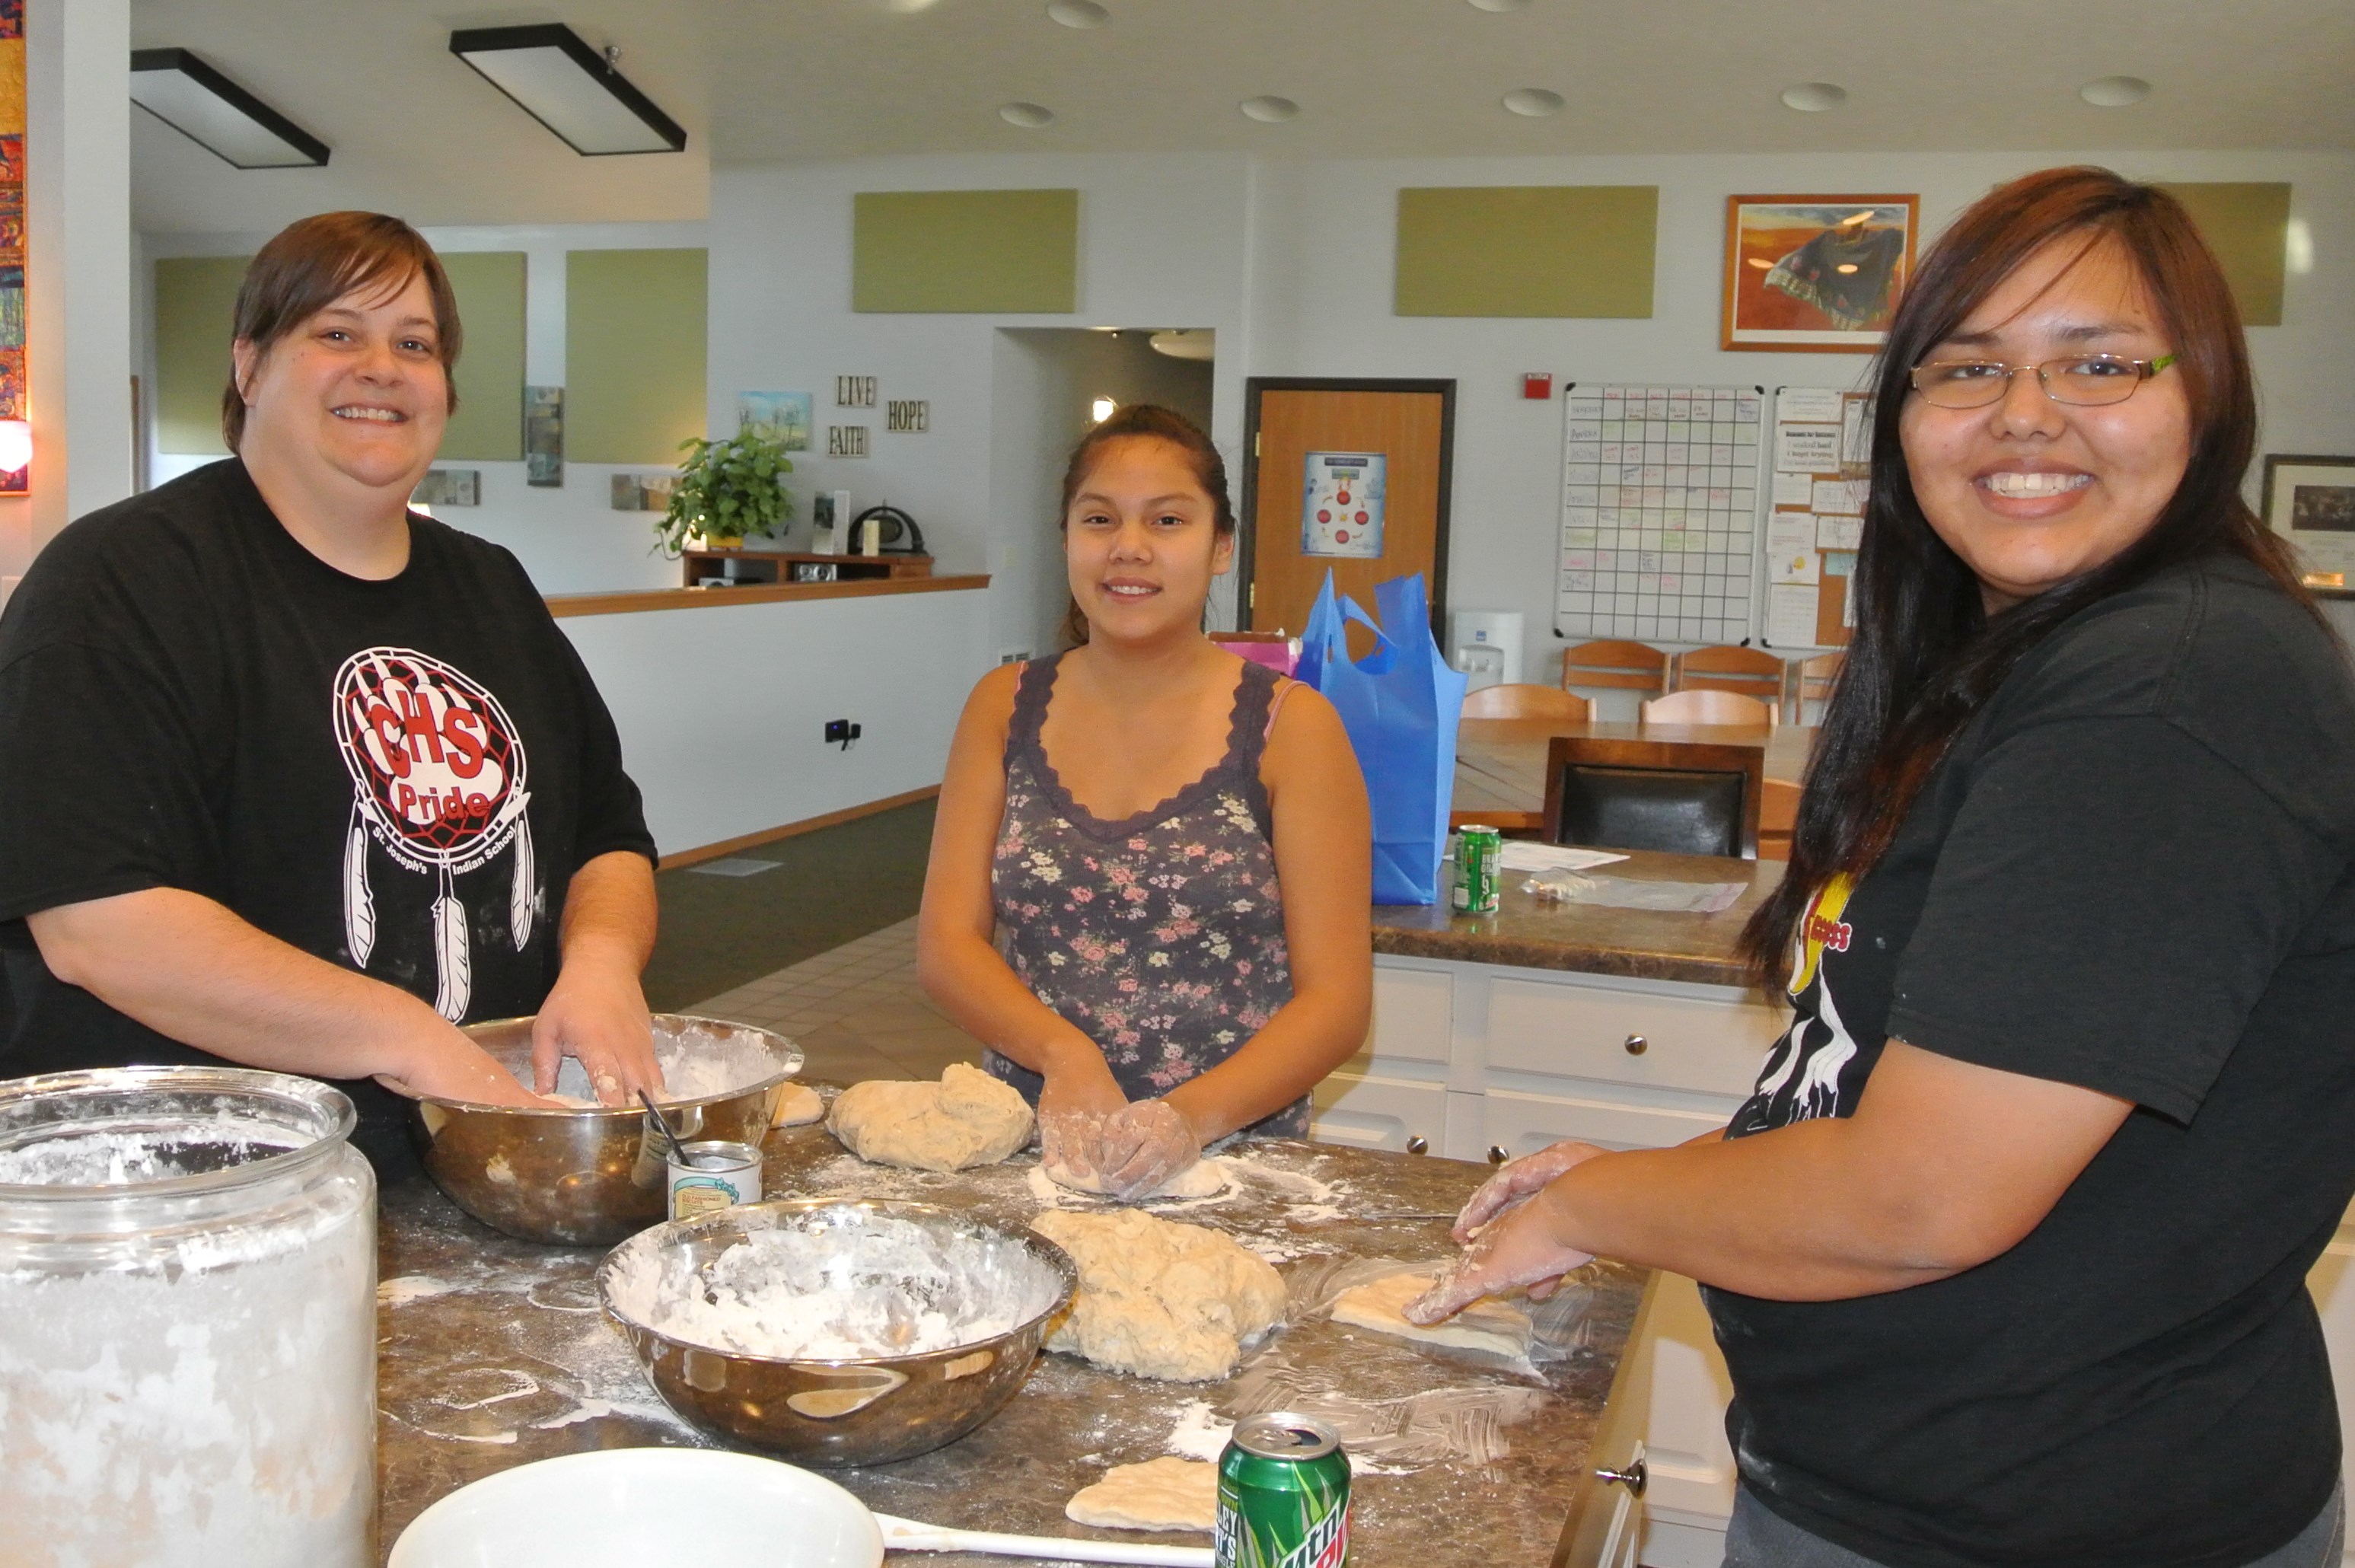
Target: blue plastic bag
<point>1400,705</point>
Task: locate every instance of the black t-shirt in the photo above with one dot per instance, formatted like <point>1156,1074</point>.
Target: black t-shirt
<point>397,776</point>
<point>2131,873</point>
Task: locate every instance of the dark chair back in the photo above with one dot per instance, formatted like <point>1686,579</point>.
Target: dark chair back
<point>1679,797</point>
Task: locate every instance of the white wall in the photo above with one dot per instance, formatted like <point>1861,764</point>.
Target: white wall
<point>723,712</point>
<point>568,538</point>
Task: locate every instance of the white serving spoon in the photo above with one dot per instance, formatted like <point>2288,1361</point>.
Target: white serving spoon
<point>907,1535</point>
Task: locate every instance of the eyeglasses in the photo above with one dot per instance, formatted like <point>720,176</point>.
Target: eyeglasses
<point>2083,380</point>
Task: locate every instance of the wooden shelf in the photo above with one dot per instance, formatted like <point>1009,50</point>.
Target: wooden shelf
<point>776,566</point>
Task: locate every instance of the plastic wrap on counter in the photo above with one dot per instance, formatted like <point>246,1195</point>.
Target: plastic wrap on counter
<point>1558,887</point>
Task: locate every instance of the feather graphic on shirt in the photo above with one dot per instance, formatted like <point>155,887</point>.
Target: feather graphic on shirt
<point>523,892</point>
<point>456,964</point>
<point>359,903</point>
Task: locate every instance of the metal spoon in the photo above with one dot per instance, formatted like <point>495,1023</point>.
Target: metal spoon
<point>678,1145</point>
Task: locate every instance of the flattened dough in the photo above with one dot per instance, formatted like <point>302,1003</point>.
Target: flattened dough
<point>1203,1179</point>
<point>1168,1493</point>
<point>1160,1299</point>
<point>797,1107</point>
<point>968,1118</point>
<point>1490,1326</point>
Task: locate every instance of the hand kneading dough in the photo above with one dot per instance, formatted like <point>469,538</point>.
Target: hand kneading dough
<point>1160,1299</point>
<point>1160,1494</point>
<point>968,1118</point>
<point>1203,1179</point>
<point>797,1107</point>
<point>1490,1326</point>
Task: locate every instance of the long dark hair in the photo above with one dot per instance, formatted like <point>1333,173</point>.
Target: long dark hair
<point>1925,656</point>
<point>1155,423</point>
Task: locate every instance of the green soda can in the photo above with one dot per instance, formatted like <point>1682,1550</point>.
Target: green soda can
<point>1476,886</point>
<point>1283,1495</point>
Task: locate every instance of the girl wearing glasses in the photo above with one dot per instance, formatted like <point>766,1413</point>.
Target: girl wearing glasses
<point>2008,1250</point>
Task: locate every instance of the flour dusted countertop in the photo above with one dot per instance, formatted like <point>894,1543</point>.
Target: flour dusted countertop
<point>493,1353</point>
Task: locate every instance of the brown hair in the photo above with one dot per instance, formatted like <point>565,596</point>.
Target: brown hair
<point>1152,422</point>
<point>310,265</point>
<point>1925,656</point>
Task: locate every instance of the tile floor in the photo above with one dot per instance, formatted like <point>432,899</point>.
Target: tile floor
<point>856,1011</point>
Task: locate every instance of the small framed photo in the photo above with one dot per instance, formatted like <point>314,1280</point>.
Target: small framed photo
<point>1815,274</point>
<point>2310,501</point>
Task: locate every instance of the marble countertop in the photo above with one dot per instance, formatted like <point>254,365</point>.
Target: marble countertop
<point>494,1352</point>
<point>1640,944</point>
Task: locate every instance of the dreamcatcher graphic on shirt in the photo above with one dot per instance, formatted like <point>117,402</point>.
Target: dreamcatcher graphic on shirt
<point>438,782</point>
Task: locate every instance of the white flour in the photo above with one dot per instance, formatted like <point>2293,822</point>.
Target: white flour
<point>697,1064</point>
<point>884,1287</point>
<point>87,1157</point>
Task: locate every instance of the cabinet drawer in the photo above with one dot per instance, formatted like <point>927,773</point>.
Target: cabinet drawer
<point>1414,1014</point>
<point>1367,1111</point>
<point>1585,1032</point>
<point>1523,1124</point>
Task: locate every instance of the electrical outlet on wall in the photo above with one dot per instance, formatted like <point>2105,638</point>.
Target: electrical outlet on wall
<point>841,732</point>
<point>1013,655</point>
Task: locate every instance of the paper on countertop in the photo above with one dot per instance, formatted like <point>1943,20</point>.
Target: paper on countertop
<point>1522,855</point>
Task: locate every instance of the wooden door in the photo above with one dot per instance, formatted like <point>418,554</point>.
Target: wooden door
<point>1411,423</point>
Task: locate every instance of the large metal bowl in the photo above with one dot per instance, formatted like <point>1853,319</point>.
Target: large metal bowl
<point>587,1176</point>
<point>864,1412</point>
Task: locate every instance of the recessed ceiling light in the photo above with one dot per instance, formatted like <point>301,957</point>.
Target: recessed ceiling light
<point>1029,116</point>
<point>1078,12</point>
<point>906,7</point>
<point>1813,97</point>
<point>1269,108</point>
<point>1502,4</point>
<point>2114,91</point>
<point>1534,102</point>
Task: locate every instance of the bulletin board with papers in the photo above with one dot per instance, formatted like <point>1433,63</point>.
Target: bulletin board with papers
<point>1659,512</point>
<point>1818,463</point>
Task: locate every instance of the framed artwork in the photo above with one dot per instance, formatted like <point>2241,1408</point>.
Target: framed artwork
<point>1815,274</point>
<point>783,417</point>
<point>2310,501</point>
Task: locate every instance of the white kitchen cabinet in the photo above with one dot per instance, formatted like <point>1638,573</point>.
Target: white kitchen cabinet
<point>2332,1281</point>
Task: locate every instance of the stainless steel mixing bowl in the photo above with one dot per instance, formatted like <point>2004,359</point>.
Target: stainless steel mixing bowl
<point>866,1412</point>
<point>581,1177</point>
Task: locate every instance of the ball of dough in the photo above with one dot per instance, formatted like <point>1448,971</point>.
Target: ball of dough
<point>968,1118</point>
<point>1168,1493</point>
<point>1206,1177</point>
<point>1160,1299</point>
<point>797,1107</point>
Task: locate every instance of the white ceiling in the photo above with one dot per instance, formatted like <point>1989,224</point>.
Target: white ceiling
<point>416,133</point>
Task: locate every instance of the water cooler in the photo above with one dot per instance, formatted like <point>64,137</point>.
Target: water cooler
<point>1485,645</point>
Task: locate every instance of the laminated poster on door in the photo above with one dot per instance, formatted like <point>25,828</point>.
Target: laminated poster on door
<point>1341,504</point>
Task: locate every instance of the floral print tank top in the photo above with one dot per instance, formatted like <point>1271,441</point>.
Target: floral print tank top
<point>1159,937</point>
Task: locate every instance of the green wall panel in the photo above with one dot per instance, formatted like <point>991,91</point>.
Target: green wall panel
<point>2247,225</point>
<point>489,425</point>
<point>634,354</point>
<point>998,252</point>
<point>196,304</point>
<point>1526,250</point>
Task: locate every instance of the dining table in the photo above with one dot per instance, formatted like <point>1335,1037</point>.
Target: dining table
<point>1500,763</point>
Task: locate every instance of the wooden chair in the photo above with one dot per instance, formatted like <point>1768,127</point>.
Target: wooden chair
<point>1681,797</point>
<point>1809,682</point>
<point>1748,671</point>
<point>1633,666</point>
<point>1778,818</point>
<point>1519,699</point>
<point>1708,707</point>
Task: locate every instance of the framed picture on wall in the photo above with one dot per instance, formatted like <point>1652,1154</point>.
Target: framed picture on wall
<point>1817,274</point>
<point>2310,501</point>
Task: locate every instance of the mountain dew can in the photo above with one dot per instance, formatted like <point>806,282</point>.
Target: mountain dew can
<point>1477,888</point>
<point>1283,1495</point>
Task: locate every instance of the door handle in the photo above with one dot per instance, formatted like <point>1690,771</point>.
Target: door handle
<point>1637,1045</point>
<point>1499,1154</point>
<point>1631,1475</point>
<point>1418,1144</point>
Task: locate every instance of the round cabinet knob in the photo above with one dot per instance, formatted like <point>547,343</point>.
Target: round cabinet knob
<point>1497,1154</point>
<point>1637,1045</point>
<point>1631,1477</point>
<point>1418,1144</point>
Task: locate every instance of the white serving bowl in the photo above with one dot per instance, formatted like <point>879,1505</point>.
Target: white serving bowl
<point>628,1507</point>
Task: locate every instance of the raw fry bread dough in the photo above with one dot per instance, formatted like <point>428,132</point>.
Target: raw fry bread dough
<point>1160,1494</point>
<point>798,1106</point>
<point>968,1118</point>
<point>1203,1179</point>
<point>1160,1299</point>
<point>1490,1326</point>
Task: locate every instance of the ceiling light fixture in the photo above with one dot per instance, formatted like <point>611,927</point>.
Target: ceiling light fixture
<point>1197,343</point>
<point>2114,91</point>
<point>1268,109</point>
<point>218,114</point>
<point>1101,410</point>
<point>1501,5</point>
<point>1078,13</point>
<point>1533,103</point>
<point>1813,97</point>
<point>557,78</point>
<point>1029,116</point>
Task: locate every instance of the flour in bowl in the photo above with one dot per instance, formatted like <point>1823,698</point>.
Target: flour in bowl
<point>699,1061</point>
<point>93,1157</point>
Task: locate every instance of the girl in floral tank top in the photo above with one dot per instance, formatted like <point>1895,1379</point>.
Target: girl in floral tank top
<point>1150,886</point>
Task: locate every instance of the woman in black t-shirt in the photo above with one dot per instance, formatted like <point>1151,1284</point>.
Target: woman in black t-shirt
<point>2006,1252</point>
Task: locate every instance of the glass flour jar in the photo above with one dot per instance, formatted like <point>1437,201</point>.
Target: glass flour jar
<point>187,1321</point>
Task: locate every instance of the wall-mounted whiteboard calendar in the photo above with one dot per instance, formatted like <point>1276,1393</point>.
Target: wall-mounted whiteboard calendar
<point>1659,512</point>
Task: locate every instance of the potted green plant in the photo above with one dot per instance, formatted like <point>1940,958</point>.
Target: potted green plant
<point>727,490</point>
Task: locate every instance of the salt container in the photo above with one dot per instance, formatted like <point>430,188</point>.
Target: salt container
<point>188,1321</point>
